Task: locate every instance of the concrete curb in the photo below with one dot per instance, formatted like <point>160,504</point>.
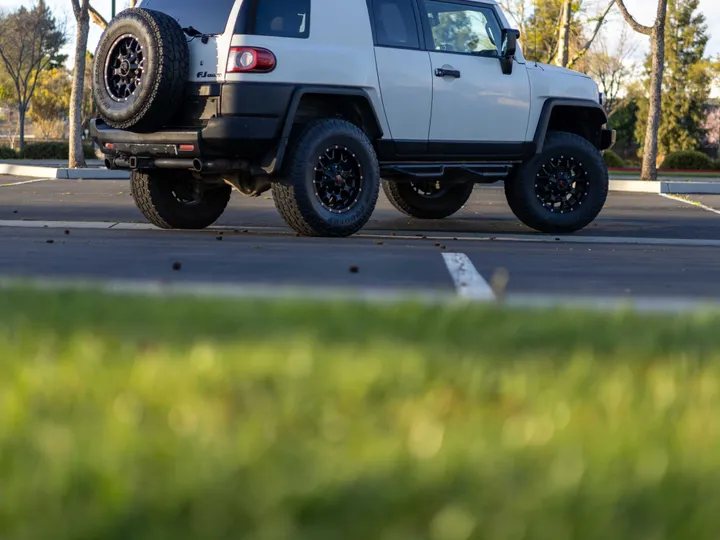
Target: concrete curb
<point>672,187</point>
<point>54,173</point>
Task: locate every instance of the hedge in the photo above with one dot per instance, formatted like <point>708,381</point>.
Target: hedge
<point>613,160</point>
<point>688,161</point>
<point>45,150</point>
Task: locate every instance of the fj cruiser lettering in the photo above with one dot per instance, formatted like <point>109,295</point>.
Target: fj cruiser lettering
<point>317,100</point>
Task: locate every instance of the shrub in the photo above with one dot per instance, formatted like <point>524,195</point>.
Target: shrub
<point>7,153</point>
<point>613,160</point>
<point>53,150</point>
<point>688,161</point>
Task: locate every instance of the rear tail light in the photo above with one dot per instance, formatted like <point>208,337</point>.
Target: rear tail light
<point>250,60</point>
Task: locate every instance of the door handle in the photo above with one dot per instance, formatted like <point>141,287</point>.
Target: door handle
<point>442,72</point>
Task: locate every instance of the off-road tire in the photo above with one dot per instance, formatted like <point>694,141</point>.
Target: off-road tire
<point>166,63</point>
<point>294,194</point>
<point>411,203</point>
<point>521,195</point>
<point>153,195</point>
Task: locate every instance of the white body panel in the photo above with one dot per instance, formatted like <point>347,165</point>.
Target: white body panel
<point>548,82</point>
<point>406,88</point>
<point>338,52</point>
<point>483,105</point>
<point>411,103</point>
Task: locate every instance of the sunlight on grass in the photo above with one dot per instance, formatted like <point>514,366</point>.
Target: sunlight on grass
<point>150,419</point>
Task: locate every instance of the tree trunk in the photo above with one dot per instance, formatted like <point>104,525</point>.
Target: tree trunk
<point>563,57</point>
<point>649,166</point>
<point>21,126</point>
<point>77,156</point>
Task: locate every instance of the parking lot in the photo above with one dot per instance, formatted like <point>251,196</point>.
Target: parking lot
<point>643,247</point>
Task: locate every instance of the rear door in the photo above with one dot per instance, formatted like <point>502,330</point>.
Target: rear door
<point>214,19</point>
<point>404,72</point>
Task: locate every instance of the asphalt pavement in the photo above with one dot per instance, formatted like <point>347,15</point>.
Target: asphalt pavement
<point>642,246</point>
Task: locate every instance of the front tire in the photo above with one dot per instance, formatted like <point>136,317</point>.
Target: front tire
<point>174,200</point>
<point>331,180</point>
<point>424,200</point>
<point>561,190</point>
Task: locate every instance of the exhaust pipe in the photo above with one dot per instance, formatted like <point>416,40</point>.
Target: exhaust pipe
<point>219,165</point>
<point>172,163</point>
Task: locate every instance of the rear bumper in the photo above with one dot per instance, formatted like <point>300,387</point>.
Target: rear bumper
<point>607,139</point>
<point>234,137</point>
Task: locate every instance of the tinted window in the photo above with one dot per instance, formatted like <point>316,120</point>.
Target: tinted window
<point>395,24</point>
<point>282,18</point>
<point>207,16</point>
<point>463,29</point>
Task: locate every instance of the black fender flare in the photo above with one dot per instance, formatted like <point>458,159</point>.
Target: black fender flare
<point>275,164</point>
<point>547,110</point>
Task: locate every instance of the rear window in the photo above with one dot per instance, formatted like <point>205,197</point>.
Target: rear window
<point>206,16</point>
<point>281,18</point>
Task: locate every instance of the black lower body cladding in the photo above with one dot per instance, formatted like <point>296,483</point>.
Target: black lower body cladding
<point>140,70</point>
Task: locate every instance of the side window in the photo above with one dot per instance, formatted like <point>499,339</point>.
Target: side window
<point>395,24</point>
<point>281,18</point>
<point>463,29</point>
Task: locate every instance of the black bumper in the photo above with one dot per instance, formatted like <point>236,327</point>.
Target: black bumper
<point>607,139</point>
<point>235,136</point>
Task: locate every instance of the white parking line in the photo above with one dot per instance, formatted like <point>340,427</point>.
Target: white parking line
<point>468,281</point>
<point>691,203</point>
<point>34,180</point>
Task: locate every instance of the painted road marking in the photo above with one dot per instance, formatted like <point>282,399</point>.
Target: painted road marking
<point>384,235</point>
<point>691,203</point>
<point>33,181</point>
<point>468,281</point>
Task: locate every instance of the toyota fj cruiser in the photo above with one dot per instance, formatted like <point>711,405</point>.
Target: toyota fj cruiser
<point>318,99</point>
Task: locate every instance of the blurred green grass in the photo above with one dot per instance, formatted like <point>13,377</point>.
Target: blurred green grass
<point>148,419</point>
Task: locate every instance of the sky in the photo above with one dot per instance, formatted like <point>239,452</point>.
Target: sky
<point>643,10</point>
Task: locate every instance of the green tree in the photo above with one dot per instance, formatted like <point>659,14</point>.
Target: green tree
<point>30,41</point>
<point>687,82</point>
<point>51,102</point>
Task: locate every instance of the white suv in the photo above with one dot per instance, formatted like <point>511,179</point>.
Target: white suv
<point>319,99</point>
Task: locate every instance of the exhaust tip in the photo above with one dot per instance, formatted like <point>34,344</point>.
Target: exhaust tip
<point>197,165</point>
<point>109,164</point>
<point>132,161</point>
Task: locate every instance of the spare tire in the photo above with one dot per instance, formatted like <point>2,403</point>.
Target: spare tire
<point>140,70</point>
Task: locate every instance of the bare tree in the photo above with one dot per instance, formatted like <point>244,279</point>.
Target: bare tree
<point>563,57</point>
<point>599,21</point>
<point>611,69</point>
<point>82,18</point>
<point>84,13</point>
<point>657,38</point>
<point>29,44</point>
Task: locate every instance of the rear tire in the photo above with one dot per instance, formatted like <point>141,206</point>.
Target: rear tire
<point>140,70</point>
<point>407,198</point>
<point>174,200</point>
<point>331,180</point>
<point>561,190</point>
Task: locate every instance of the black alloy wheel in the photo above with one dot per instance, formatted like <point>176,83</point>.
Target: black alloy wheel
<point>338,179</point>
<point>124,68</point>
<point>562,184</point>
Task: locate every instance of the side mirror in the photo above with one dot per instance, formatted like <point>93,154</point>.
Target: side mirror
<point>509,48</point>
